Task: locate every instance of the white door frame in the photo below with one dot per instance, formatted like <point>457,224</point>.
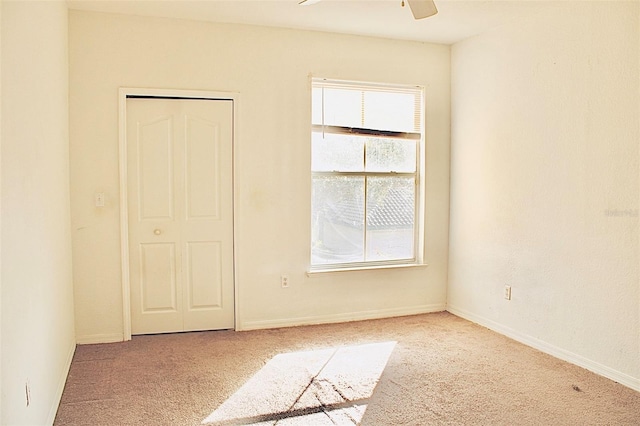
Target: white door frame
<point>124,93</point>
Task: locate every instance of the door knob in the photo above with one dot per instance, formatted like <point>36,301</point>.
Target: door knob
<point>157,231</point>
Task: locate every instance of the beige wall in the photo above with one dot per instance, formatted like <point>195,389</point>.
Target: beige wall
<point>544,184</point>
<point>270,69</point>
<point>37,296</point>
<point>1,7</point>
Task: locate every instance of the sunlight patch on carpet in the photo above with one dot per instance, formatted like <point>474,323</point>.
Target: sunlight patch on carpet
<point>327,386</point>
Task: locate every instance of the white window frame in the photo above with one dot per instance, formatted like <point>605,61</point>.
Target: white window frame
<point>419,175</point>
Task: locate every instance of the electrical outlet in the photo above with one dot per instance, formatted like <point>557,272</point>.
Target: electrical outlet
<point>284,281</point>
<point>507,292</point>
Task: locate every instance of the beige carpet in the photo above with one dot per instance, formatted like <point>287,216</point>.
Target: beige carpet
<point>428,369</point>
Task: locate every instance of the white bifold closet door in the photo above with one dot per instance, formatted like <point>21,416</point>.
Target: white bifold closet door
<point>180,208</point>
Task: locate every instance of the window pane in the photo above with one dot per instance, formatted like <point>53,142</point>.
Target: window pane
<point>336,153</point>
<point>337,220</point>
<point>390,218</point>
<point>391,155</point>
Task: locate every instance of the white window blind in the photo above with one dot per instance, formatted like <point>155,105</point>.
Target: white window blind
<point>343,107</point>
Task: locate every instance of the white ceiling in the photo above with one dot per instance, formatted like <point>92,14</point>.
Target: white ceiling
<point>455,21</point>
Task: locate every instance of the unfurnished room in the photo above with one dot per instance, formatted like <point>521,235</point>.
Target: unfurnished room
<point>320,212</point>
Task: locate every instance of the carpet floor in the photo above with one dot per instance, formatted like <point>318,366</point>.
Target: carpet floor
<point>431,369</point>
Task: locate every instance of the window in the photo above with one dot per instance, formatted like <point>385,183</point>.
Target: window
<point>366,159</point>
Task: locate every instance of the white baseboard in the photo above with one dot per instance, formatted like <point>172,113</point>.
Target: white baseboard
<point>593,366</point>
<point>344,317</point>
<point>61,382</point>
<point>100,338</point>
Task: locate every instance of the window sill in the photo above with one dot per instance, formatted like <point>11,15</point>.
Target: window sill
<point>365,268</point>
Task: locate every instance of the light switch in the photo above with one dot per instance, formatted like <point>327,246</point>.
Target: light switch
<point>99,199</point>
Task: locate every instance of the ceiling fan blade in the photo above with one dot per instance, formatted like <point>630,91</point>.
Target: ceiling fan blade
<point>422,8</point>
